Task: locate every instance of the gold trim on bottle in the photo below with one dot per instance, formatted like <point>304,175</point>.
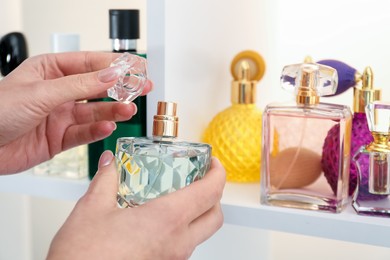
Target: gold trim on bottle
<point>244,89</point>
<point>165,122</point>
<point>366,94</point>
<point>380,143</point>
<point>306,93</point>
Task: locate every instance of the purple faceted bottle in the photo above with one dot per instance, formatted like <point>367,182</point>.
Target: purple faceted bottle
<point>360,135</point>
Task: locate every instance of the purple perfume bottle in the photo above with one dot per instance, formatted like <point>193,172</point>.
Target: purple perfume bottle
<point>360,134</point>
<point>373,161</point>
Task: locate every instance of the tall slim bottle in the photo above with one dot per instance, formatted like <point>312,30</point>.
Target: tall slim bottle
<point>124,32</point>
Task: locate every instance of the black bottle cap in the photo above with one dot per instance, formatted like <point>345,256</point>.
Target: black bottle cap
<point>124,24</point>
<point>13,51</point>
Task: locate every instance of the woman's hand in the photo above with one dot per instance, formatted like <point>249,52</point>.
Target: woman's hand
<point>169,227</point>
<point>40,109</point>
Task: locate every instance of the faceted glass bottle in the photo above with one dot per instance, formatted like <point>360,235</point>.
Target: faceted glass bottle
<point>293,135</point>
<point>373,161</point>
<point>158,165</point>
<point>235,133</point>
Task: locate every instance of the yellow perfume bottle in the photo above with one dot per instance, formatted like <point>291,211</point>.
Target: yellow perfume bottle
<point>235,133</point>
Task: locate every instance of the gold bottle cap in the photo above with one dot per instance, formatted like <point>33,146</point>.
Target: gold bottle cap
<point>165,122</point>
<point>247,68</point>
<point>309,81</point>
<point>366,94</point>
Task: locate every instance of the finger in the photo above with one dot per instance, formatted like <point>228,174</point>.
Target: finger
<point>207,224</point>
<point>147,88</point>
<point>203,194</point>
<point>98,111</point>
<point>104,185</point>
<point>87,133</point>
<point>71,63</point>
<point>77,87</point>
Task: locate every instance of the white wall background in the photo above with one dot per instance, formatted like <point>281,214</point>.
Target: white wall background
<point>199,40</point>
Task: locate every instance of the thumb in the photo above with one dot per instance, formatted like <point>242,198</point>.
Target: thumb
<point>81,86</point>
<point>104,186</point>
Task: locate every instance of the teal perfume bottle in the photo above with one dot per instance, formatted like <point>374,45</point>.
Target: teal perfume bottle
<point>124,32</point>
<point>150,167</point>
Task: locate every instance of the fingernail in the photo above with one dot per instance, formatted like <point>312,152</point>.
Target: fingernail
<point>151,85</point>
<point>109,74</point>
<point>135,109</point>
<point>105,159</point>
<point>114,124</point>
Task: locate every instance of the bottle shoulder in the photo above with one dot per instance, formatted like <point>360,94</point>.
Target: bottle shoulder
<point>162,142</point>
<point>239,111</point>
<point>321,110</point>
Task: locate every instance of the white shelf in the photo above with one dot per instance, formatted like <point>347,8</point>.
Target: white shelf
<point>44,186</point>
<point>241,207</point>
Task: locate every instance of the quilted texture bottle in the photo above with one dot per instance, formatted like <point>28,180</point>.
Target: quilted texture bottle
<point>360,135</point>
<point>235,133</point>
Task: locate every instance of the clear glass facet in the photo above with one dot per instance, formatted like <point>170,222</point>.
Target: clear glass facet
<point>371,178</point>
<point>323,78</point>
<point>378,116</point>
<point>132,79</point>
<point>150,168</point>
<point>293,137</point>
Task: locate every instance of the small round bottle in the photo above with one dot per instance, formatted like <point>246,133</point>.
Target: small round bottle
<point>235,133</point>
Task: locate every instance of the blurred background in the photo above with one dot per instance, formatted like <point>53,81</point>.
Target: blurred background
<point>190,45</point>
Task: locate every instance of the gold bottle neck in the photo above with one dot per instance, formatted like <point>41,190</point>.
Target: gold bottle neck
<point>306,94</point>
<point>366,94</point>
<point>243,88</point>
<point>243,92</point>
<point>165,122</point>
<point>380,143</point>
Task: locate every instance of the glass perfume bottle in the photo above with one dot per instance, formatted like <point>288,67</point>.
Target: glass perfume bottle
<point>235,133</point>
<point>72,163</point>
<point>360,135</point>
<point>124,31</point>
<point>374,176</point>
<point>153,166</point>
<point>293,135</point>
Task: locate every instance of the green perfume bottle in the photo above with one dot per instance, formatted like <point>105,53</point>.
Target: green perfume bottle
<point>124,32</point>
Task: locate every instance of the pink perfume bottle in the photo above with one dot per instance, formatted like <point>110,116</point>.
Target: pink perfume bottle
<point>363,95</point>
<point>293,136</point>
<point>373,161</point>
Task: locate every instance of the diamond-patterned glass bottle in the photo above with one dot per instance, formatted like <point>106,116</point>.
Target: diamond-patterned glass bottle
<point>154,166</point>
<point>235,133</point>
<point>292,175</point>
<point>373,164</point>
